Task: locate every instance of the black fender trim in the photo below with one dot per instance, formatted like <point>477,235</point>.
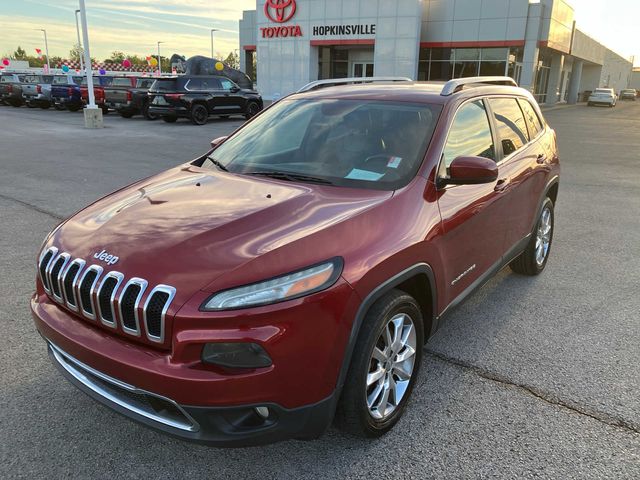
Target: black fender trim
<point>375,294</point>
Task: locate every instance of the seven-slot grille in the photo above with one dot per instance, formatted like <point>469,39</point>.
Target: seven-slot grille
<point>99,297</point>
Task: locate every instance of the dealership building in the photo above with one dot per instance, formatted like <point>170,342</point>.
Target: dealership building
<point>288,43</point>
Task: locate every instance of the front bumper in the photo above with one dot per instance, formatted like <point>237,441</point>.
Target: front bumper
<point>306,341</point>
<point>222,426</point>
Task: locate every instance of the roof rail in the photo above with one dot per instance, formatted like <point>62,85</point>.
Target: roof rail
<point>318,84</point>
<point>457,84</point>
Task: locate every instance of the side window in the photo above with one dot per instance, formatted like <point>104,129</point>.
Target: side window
<point>512,129</point>
<point>194,84</point>
<point>530,115</point>
<point>213,84</point>
<point>226,84</point>
<point>470,134</point>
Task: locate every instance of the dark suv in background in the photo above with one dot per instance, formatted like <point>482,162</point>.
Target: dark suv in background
<point>199,97</point>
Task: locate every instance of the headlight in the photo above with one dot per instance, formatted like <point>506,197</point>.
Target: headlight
<point>294,285</point>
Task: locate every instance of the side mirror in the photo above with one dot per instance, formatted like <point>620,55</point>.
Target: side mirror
<point>471,171</point>
<point>235,89</point>
<point>217,141</point>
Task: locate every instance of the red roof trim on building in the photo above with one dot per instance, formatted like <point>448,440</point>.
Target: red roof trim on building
<point>249,48</point>
<point>475,44</point>
<point>318,43</point>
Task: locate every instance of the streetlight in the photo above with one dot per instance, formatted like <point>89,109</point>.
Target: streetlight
<point>79,43</point>
<point>159,61</point>
<point>212,30</point>
<point>92,114</point>
<point>46,47</point>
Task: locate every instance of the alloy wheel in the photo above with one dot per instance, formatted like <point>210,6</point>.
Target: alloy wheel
<point>391,366</point>
<point>543,236</point>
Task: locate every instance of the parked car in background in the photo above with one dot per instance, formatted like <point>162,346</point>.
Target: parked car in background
<point>199,97</point>
<point>99,84</point>
<point>129,97</point>
<point>11,89</point>
<point>603,96</point>
<point>628,94</point>
<point>36,90</point>
<point>295,270</point>
<point>65,92</point>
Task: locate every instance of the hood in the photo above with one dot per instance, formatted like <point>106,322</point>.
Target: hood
<point>189,226</point>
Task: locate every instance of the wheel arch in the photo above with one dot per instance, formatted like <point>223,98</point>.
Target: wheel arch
<point>417,281</point>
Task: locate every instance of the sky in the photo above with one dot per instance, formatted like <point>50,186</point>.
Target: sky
<point>134,26</point>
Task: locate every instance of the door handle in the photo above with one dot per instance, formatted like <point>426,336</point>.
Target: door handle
<point>502,185</point>
<point>542,158</point>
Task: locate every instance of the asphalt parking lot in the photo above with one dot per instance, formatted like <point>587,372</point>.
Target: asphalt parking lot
<point>531,377</point>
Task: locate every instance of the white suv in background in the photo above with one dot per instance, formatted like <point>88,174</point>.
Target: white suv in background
<point>603,96</point>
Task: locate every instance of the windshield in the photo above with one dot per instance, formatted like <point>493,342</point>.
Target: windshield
<point>355,143</point>
<point>605,91</point>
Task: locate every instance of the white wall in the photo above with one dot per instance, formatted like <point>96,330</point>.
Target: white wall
<point>286,64</point>
<point>635,80</point>
<point>473,20</point>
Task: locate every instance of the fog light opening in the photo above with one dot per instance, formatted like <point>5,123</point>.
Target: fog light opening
<point>263,412</point>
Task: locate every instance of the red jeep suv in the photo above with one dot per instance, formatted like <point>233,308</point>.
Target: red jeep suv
<point>294,273</point>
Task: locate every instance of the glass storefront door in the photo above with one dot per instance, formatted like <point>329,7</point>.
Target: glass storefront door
<point>362,70</point>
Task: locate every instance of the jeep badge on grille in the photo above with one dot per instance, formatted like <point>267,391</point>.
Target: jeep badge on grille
<point>106,257</point>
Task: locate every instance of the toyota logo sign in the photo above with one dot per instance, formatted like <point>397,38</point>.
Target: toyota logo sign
<point>280,11</point>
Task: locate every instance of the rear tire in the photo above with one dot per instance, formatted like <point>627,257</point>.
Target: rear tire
<point>534,258</point>
<point>148,115</point>
<point>386,361</point>
<point>168,119</point>
<point>105,110</point>
<point>199,114</point>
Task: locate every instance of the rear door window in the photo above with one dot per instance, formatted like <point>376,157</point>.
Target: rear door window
<point>531,117</point>
<point>510,123</point>
<point>470,134</point>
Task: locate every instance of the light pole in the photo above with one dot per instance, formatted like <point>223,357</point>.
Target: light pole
<point>159,61</point>
<point>212,30</point>
<point>79,43</point>
<point>46,47</point>
<point>92,114</point>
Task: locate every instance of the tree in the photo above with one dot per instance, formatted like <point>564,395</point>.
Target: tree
<point>76,52</point>
<point>233,60</point>
<point>116,57</point>
<point>20,54</point>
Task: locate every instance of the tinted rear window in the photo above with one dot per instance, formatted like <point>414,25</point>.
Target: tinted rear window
<point>144,83</point>
<point>165,85</point>
<point>510,123</point>
<point>121,82</point>
<point>530,115</point>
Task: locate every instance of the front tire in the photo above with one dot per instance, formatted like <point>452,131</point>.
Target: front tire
<point>384,366</point>
<point>534,258</point>
<point>252,110</point>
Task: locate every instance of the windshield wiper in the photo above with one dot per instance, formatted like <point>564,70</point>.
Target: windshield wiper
<point>218,164</point>
<point>292,177</point>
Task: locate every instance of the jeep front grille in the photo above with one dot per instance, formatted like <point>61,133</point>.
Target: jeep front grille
<point>106,298</point>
